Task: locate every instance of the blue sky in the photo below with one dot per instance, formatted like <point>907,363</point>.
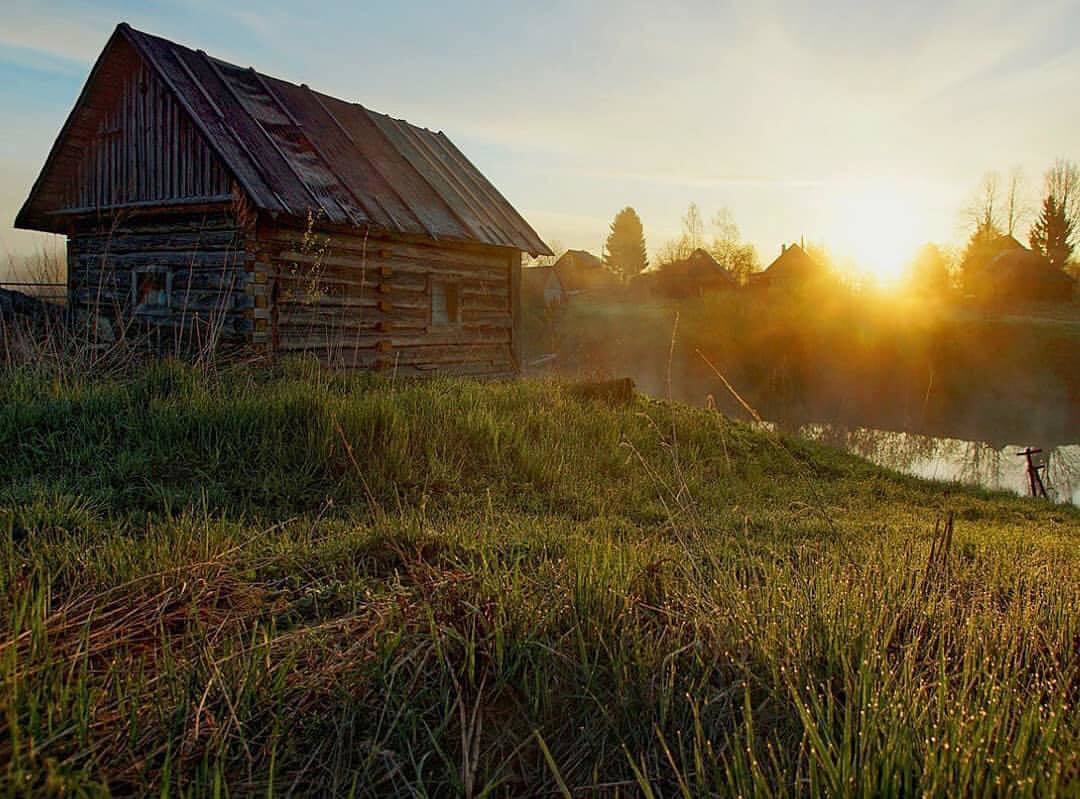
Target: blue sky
<point>810,118</point>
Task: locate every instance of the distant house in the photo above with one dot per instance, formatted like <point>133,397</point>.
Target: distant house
<point>203,201</point>
<point>1021,275</point>
<point>581,272</point>
<point>793,269</point>
<point>694,276</point>
<point>978,276</point>
<point>541,286</point>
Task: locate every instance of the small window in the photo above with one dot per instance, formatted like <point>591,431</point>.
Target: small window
<point>150,289</point>
<point>445,304</point>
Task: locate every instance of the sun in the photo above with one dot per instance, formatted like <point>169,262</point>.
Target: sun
<point>875,226</point>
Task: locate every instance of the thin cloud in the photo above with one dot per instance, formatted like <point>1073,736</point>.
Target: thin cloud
<point>31,34</point>
<point>702,181</point>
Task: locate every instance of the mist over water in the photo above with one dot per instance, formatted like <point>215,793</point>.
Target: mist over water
<point>941,393</point>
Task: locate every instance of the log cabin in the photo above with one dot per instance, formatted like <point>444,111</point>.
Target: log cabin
<point>210,205</point>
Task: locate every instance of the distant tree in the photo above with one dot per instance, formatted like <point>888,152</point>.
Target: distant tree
<point>738,257</point>
<point>985,233</point>
<point>1058,221</point>
<point>985,243</point>
<point>1062,181</point>
<point>1051,235</point>
<point>730,252</point>
<point>669,252</point>
<point>625,248</point>
<point>984,211</point>
<point>929,272</point>
<point>1015,206</point>
<point>691,238</point>
<point>693,227</point>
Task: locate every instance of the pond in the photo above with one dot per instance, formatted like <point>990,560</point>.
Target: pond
<point>991,465</point>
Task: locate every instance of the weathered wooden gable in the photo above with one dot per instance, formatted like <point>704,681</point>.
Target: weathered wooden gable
<point>145,150</point>
<point>127,143</point>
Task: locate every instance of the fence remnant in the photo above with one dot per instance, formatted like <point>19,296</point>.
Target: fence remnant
<point>1035,481</point>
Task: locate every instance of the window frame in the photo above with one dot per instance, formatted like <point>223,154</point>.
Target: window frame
<point>449,288</point>
<point>138,273</point>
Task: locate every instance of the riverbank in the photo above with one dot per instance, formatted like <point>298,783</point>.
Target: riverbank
<point>271,580</point>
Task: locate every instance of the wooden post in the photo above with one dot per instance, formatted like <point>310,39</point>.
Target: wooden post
<point>1035,482</point>
<point>517,321</point>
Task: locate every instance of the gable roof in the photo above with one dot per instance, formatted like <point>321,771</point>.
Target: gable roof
<point>698,270</point>
<point>580,259</point>
<point>580,270</point>
<point>296,151</point>
<point>698,265</point>
<point>794,263</point>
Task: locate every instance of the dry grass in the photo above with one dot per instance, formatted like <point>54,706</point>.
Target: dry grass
<point>295,581</point>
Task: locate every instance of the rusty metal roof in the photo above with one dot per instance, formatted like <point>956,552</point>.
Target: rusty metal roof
<point>297,151</point>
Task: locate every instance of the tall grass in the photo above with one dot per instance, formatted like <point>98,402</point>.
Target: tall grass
<point>41,274</point>
<point>289,580</point>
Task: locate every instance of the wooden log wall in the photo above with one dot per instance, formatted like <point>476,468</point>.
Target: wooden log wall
<point>145,149</point>
<point>366,302</point>
<point>204,254</point>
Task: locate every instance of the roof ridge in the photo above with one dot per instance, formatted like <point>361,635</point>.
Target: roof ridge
<point>292,149</point>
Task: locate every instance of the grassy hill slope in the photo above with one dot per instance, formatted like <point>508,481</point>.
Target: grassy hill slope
<point>272,581</point>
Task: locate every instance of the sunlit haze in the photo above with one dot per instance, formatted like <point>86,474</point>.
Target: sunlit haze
<point>861,127</point>
<point>875,223</point>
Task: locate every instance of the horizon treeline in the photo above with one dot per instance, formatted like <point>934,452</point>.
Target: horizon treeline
<point>1000,209</point>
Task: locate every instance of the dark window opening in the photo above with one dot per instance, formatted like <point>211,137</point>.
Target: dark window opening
<point>445,304</point>
<point>151,288</point>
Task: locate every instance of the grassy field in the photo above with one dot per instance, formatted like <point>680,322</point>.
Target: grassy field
<point>243,582</point>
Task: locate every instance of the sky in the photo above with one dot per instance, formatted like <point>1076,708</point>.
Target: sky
<point>865,127</point>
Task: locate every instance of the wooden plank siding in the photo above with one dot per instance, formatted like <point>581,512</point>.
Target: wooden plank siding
<point>366,302</point>
<point>145,149</point>
<point>204,256</point>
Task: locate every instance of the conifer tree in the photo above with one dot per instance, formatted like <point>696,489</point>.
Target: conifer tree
<point>625,250</point>
<point>1051,235</point>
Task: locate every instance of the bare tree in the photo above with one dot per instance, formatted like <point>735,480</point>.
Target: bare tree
<point>738,257</point>
<point>984,212</point>
<point>692,237</point>
<point>724,227</point>
<point>1063,184</point>
<point>693,227</point>
<point>1016,208</point>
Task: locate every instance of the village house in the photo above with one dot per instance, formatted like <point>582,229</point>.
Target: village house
<point>1001,270</point>
<point>981,253</point>
<point>209,204</point>
<point>541,286</point>
<point>581,272</point>
<point>1022,275</point>
<point>694,276</point>
<point>793,270</point>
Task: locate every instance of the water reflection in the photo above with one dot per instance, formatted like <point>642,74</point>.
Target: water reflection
<point>951,459</point>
